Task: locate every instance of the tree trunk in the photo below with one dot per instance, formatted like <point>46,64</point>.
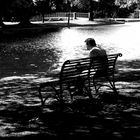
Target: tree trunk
<point>24,22</point>
<point>91,11</point>
<point>1,22</point>
<point>43,17</point>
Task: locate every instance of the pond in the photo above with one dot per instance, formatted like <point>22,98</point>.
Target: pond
<point>34,56</point>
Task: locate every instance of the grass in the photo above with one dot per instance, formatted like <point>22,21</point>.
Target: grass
<point>107,116</point>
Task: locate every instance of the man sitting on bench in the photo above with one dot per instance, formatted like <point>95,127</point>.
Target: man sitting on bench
<point>100,57</point>
<point>99,54</point>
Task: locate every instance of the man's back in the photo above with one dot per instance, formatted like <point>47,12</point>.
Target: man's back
<point>97,51</point>
<point>100,55</point>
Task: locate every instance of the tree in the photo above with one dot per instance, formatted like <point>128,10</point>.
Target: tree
<point>86,6</point>
<point>1,12</point>
<point>100,8</point>
<point>91,10</point>
<point>125,11</point>
<point>42,6</point>
<point>107,7</point>
<point>81,5</point>
<point>22,10</point>
<point>58,4</point>
<point>48,6</point>
<point>4,10</point>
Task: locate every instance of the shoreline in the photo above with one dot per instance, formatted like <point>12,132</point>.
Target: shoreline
<point>14,29</point>
<point>38,27</point>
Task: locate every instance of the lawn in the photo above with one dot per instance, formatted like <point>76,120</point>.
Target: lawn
<point>105,116</point>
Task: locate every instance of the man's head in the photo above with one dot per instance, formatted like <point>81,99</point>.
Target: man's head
<point>90,43</point>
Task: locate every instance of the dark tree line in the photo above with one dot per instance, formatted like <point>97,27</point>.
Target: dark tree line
<point>23,10</point>
<point>47,6</point>
<point>103,8</point>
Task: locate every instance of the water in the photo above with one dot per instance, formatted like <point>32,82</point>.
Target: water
<point>34,56</point>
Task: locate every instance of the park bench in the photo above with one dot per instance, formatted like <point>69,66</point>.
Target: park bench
<point>78,77</point>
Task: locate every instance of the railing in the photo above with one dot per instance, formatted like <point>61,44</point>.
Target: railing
<point>58,14</point>
<point>83,15</point>
<point>64,15</point>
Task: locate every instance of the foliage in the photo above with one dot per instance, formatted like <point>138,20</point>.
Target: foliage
<point>126,11</point>
<point>59,5</point>
<point>47,6</point>
<point>81,5</point>
<point>107,8</point>
<point>22,10</point>
<point>42,6</point>
<point>104,8</point>
<point>4,9</point>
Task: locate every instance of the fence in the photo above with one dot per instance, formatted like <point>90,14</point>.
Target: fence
<point>82,15</point>
<point>61,16</point>
<point>65,14</point>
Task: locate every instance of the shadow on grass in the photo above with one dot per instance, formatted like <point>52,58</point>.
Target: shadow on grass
<point>128,70</point>
<point>84,118</point>
<point>108,116</point>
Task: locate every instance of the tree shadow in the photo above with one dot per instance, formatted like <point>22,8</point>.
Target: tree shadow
<point>109,116</point>
<point>96,118</point>
<point>128,70</point>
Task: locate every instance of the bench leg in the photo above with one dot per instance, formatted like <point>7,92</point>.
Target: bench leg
<point>112,84</point>
<point>40,96</point>
<point>87,90</point>
<point>79,90</point>
<point>58,93</point>
<point>95,86</point>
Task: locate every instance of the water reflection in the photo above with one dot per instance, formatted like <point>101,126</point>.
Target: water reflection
<point>27,56</point>
<point>71,44</point>
<point>37,55</point>
<point>114,38</point>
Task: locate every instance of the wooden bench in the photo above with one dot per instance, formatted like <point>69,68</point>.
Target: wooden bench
<point>80,77</point>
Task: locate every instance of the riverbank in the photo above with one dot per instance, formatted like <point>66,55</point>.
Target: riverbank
<point>71,23</point>
<point>15,29</point>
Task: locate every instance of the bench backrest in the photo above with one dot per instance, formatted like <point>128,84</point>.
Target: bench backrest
<point>88,67</point>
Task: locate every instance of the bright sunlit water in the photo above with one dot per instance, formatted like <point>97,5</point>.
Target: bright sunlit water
<point>34,56</point>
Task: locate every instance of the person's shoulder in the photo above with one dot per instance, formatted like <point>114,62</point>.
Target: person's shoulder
<point>98,50</point>
<point>101,48</point>
<point>94,50</point>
